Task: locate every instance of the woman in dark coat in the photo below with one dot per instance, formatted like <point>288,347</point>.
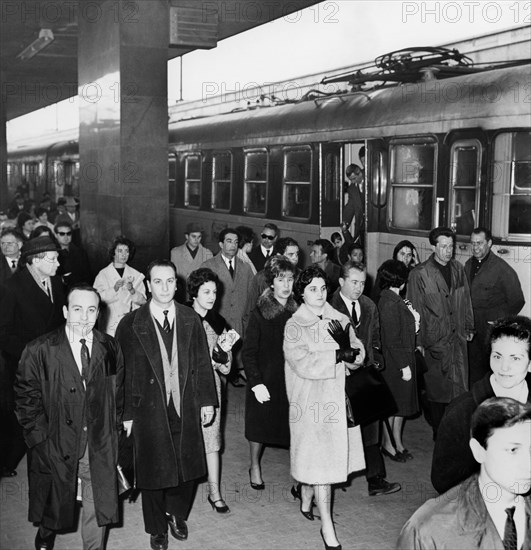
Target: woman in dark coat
<point>399,323</point>
<point>266,403</point>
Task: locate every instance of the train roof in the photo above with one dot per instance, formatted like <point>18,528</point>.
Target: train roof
<point>488,100</point>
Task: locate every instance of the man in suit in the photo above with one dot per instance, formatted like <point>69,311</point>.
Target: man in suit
<point>11,242</point>
<point>260,254</point>
<point>69,403</point>
<point>495,291</point>
<point>363,314</point>
<point>74,263</point>
<point>31,305</point>
<point>235,279</point>
<point>189,256</point>
<point>169,394</point>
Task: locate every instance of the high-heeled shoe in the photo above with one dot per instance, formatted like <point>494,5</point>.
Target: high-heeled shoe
<point>296,491</point>
<point>338,547</point>
<point>396,457</point>
<point>309,514</point>
<point>256,486</point>
<point>405,454</point>
<point>224,509</point>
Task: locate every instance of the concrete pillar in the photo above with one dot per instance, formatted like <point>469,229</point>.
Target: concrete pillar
<point>123,134</point>
<point>4,198</point>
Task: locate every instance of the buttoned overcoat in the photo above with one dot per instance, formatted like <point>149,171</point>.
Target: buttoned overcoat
<point>53,408</point>
<point>157,464</point>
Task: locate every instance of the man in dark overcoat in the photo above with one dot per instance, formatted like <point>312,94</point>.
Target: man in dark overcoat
<point>169,393</point>
<point>31,304</point>
<point>69,401</point>
<point>496,292</point>
<point>363,314</point>
<point>439,291</point>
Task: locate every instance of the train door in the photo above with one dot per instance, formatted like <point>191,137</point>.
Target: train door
<point>333,161</point>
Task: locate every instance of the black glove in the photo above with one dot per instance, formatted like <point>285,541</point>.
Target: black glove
<point>341,336</point>
<point>220,356</point>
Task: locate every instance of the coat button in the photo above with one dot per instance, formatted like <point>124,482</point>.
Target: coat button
<point>151,381</point>
<point>84,428</point>
<point>69,422</point>
<point>72,390</point>
<point>66,457</point>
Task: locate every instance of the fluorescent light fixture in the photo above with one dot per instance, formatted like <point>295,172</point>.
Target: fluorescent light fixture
<point>45,37</point>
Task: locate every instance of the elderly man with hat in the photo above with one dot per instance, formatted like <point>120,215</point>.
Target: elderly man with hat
<point>31,306</point>
<point>189,256</point>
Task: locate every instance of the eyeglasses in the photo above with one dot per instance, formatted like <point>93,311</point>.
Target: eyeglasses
<point>268,237</point>
<point>8,243</point>
<point>64,233</point>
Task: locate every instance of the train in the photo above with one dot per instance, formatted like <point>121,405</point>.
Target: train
<point>446,144</point>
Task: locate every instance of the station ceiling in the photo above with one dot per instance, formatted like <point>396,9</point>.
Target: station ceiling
<point>51,74</point>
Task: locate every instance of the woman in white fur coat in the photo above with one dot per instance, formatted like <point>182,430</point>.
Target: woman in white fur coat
<point>323,449</point>
<point>120,286</point>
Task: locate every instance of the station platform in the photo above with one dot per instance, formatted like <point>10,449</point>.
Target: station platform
<point>268,519</point>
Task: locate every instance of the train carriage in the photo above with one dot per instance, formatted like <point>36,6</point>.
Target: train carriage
<point>453,152</point>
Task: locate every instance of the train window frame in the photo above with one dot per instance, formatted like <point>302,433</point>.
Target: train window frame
<point>454,170</point>
<point>246,181</point>
<point>424,140</point>
<point>502,175</point>
<point>286,184</point>
<point>215,180</point>
<point>172,178</point>
<point>187,180</point>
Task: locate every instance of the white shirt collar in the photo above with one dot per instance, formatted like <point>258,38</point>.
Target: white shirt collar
<point>266,250</point>
<point>158,312</point>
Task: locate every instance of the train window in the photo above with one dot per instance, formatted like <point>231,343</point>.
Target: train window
<point>465,169</point>
<point>255,186</point>
<point>192,181</point>
<point>412,182</point>
<point>297,178</point>
<point>30,176</point>
<point>172,179</point>
<point>511,173</point>
<point>221,181</point>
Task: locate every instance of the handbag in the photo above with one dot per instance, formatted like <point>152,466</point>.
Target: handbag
<point>369,395</point>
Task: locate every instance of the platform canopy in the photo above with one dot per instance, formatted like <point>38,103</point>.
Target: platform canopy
<point>39,38</point>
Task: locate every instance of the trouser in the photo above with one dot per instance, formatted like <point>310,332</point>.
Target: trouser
<point>437,412</point>
<point>92,534</point>
<point>370,434</point>
<point>175,501</point>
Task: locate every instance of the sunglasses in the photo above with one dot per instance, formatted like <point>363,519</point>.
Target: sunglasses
<point>64,233</point>
<point>268,237</point>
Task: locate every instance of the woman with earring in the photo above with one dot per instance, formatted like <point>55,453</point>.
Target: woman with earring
<point>320,346</point>
<point>399,323</point>
<point>266,404</point>
<point>202,288</point>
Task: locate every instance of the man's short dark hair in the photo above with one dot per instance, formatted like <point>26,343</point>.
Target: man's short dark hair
<point>514,326</point>
<point>351,168</point>
<point>224,232</point>
<point>273,227</point>
<point>497,412</point>
<point>283,243</point>
<point>85,288</point>
<point>478,230</point>
<point>160,263</point>
<point>326,246</point>
<point>347,266</point>
<point>305,277</point>
<point>336,235</point>
<point>62,224</point>
<point>441,232</point>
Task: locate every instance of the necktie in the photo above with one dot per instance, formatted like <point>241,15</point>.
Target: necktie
<point>166,325</point>
<point>268,253</point>
<point>46,288</point>
<point>85,360</point>
<point>509,534</point>
<point>354,314</point>
<point>231,269</point>
<point>13,264</point>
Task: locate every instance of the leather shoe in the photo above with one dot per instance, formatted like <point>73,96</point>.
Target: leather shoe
<point>397,457</point>
<point>159,542</point>
<point>380,486</point>
<point>178,527</point>
<point>44,543</point>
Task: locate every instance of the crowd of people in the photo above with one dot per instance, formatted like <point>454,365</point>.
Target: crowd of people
<point>123,359</point>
